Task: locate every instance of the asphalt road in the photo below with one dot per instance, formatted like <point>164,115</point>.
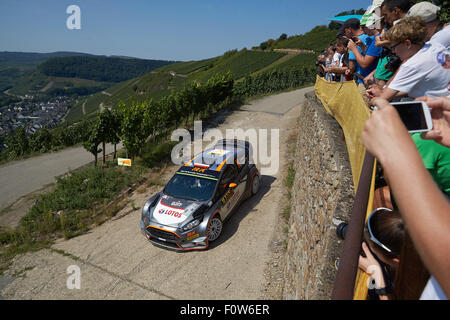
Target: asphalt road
<point>19,178</point>
<point>115,261</point>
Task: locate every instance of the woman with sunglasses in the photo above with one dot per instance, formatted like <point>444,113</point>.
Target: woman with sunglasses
<point>420,73</point>
<point>383,236</point>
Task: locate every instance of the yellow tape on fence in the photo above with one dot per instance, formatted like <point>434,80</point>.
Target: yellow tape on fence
<point>362,278</point>
<point>344,102</point>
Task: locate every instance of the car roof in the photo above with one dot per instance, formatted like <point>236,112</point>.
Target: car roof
<point>213,159</point>
<point>212,162</point>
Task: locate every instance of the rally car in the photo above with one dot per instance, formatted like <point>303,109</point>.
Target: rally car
<point>189,212</point>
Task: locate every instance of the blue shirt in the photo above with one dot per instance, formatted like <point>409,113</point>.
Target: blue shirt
<point>370,43</point>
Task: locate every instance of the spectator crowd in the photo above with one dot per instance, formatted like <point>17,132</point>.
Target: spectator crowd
<point>399,51</point>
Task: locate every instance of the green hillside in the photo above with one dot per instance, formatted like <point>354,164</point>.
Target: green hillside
<point>162,81</point>
<point>104,69</point>
<point>292,61</point>
<point>239,64</point>
<point>317,39</point>
<point>15,66</point>
<point>67,73</point>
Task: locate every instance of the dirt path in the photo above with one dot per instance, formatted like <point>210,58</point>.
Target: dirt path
<point>48,86</point>
<point>116,262</point>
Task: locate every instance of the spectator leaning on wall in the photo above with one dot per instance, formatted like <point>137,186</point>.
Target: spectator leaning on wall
<point>424,70</point>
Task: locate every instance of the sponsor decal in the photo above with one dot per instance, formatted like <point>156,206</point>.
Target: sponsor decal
<point>176,204</point>
<point>195,169</point>
<point>235,195</point>
<point>170,212</point>
<point>227,196</point>
<point>192,235</point>
<point>218,152</point>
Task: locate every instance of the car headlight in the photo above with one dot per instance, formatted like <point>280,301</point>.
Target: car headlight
<point>191,224</point>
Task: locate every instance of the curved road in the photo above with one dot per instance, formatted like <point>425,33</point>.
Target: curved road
<point>115,261</point>
<point>19,178</point>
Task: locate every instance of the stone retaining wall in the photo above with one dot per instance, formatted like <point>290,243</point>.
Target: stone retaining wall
<point>322,197</point>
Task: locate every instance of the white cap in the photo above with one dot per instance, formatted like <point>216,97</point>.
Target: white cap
<point>375,4</point>
<point>425,10</point>
<point>373,22</point>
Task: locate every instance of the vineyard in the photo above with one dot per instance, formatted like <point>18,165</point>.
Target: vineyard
<point>133,121</point>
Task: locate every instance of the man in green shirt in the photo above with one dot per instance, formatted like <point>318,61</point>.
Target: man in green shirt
<point>436,159</point>
<point>381,72</point>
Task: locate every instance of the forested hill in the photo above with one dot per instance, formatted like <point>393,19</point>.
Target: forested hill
<point>32,57</point>
<point>104,69</point>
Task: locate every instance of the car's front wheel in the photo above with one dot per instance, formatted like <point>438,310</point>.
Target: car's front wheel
<point>215,228</point>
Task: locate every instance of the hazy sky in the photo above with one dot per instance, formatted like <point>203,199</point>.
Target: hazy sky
<point>168,30</point>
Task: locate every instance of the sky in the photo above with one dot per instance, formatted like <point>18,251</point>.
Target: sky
<point>180,30</point>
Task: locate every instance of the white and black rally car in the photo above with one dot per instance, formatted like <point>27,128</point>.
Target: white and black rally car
<point>189,212</point>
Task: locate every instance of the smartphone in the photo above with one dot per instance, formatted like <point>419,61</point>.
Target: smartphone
<point>415,115</point>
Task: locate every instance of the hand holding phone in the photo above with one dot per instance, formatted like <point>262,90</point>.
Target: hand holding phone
<point>415,115</point>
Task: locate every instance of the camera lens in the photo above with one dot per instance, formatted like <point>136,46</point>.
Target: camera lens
<point>341,230</point>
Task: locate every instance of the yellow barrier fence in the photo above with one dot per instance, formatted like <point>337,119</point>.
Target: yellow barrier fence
<point>343,101</point>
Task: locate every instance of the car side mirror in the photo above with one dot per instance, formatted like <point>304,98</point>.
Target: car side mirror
<point>232,185</point>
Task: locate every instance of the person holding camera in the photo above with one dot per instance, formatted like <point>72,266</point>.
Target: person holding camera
<point>423,207</point>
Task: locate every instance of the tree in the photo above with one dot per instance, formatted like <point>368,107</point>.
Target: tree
<point>18,142</point>
<point>106,129</point>
<point>43,140</point>
<point>114,136</point>
<point>92,141</point>
<point>134,130</point>
<point>282,37</point>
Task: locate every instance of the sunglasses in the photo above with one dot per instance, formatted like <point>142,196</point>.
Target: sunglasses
<point>372,237</point>
<point>395,45</point>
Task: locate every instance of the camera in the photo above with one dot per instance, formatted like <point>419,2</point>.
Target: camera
<point>394,63</point>
<point>341,230</point>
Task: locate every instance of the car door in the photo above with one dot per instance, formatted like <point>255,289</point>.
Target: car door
<point>230,196</point>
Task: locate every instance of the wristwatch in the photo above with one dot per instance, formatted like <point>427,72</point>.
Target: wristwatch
<point>382,291</point>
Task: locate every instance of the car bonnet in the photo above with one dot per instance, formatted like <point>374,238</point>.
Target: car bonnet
<point>174,211</point>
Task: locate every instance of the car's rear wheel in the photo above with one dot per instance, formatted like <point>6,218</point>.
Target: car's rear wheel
<point>255,184</point>
<point>215,228</point>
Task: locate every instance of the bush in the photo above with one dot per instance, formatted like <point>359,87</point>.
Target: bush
<point>152,155</point>
<point>69,208</point>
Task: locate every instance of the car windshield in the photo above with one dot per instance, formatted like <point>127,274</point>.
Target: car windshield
<point>190,187</point>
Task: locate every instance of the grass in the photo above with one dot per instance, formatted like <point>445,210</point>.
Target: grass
<point>299,61</point>
<point>239,64</point>
<point>316,39</point>
<point>80,200</point>
<point>190,66</point>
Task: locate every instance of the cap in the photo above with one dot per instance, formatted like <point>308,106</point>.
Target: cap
<point>375,4</point>
<point>366,16</point>
<point>425,10</point>
<point>350,23</point>
<point>373,22</point>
